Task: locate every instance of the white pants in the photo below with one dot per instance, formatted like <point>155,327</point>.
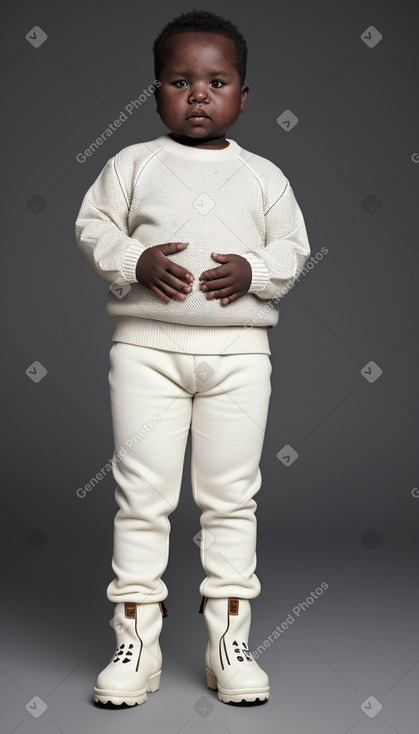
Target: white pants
<point>156,397</point>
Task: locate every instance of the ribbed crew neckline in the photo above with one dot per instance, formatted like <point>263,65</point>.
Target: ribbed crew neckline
<point>200,154</point>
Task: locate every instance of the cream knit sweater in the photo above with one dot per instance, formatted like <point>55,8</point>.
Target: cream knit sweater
<point>226,201</point>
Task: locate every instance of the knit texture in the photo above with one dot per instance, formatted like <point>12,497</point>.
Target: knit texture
<point>225,201</point>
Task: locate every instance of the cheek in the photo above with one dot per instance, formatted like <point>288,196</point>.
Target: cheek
<point>231,109</point>
<point>171,102</point>
<point>167,97</point>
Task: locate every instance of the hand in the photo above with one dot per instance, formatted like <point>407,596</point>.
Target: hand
<point>229,281</point>
<point>163,276</point>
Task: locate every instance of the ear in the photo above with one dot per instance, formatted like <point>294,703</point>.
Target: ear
<point>243,96</point>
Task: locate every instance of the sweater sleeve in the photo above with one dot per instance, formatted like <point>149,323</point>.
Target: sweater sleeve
<point>102,227</point>
<point>278,263</point>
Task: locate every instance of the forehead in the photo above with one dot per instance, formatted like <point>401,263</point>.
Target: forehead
<point>202,45</point>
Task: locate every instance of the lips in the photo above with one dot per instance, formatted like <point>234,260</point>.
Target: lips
<point>198,113</point>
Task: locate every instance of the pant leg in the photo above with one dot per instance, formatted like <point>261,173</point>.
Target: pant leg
<point>147,402</point>
<point>229,417</point>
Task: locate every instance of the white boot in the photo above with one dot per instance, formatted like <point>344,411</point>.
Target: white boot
<point>135,666</point>
<point>229,665</point>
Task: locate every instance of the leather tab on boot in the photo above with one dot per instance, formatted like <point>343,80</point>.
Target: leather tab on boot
<point>233,605</point>
<point>201,608</point>
<point>130,609</point>
<point>163,609</point>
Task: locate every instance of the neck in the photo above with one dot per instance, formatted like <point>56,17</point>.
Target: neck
<point>210,142</point>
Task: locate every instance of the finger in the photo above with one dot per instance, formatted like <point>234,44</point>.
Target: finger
<point>221,293</point>
<point>179,271</point>
<point>160,294</point>
<point>174,283</point>
<point>218,284</point>
<point>172,247</point>
<point>170,291</point>
<point>230,299</point>
<point>221,255</point>
<point>214,274</point>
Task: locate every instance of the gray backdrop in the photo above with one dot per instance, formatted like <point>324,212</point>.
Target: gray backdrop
<point>344,353</point>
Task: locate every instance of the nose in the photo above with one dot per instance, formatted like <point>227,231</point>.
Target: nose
<point>198,92</point>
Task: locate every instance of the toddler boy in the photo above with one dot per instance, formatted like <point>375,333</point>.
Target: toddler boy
<point>200,239</point>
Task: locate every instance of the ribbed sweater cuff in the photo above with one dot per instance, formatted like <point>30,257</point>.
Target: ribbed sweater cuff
<point>260,273</point>
<point>129,261</point>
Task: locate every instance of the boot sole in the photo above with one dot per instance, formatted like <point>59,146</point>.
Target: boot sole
<point>131,698</point>
<point>236,696</point>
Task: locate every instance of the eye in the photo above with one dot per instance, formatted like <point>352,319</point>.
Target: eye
<point>218,81</point>
<point>178,81</point>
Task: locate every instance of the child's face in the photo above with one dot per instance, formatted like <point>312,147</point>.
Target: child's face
<point>200,73</point>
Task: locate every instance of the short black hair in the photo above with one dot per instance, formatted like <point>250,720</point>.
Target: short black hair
<point>200,20</point>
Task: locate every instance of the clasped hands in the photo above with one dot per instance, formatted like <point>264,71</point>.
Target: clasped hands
<point>227,282</point>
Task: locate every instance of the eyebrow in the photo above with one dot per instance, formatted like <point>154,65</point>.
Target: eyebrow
<point>210,73</point>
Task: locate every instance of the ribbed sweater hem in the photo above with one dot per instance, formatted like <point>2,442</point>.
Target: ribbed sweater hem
<point>190,338</point>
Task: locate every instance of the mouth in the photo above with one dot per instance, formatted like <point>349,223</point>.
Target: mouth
<point>198,115</point>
